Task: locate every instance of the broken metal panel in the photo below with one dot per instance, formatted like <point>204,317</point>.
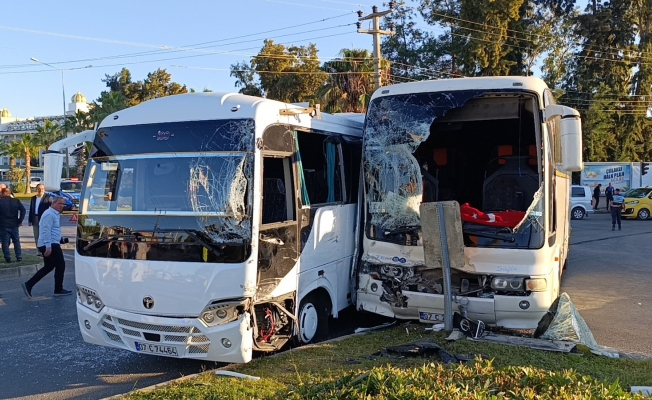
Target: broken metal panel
<point>533,343</point>
<point>432,235</point>
<point>395,127</point>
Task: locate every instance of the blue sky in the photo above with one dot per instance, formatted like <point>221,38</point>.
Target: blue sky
<point>60,31</point>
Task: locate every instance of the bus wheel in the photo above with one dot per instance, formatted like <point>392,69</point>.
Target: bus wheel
<point>313,320</point>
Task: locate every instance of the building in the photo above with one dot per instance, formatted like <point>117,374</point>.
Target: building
<point>12,128</point>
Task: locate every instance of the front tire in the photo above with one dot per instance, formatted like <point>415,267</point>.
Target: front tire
<point>643,214</point>
<point>577,213</point>
<point>313,320</point>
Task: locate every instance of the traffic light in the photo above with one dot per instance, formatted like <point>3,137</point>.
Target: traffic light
<point>644,167</point>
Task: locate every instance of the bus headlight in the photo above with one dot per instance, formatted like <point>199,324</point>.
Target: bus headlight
<point>536,284</point>
<point>89,298</point>
<point>507,284</point>
<point>222,311</point>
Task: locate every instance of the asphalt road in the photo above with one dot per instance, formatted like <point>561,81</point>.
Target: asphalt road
<point>44,357</point>
<point>609,278</point>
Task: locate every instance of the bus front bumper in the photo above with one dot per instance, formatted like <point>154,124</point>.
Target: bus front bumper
<point>170,337</point>
<point>513,312</point>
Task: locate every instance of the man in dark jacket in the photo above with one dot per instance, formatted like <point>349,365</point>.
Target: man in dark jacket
<point>12,214</point>
<point>35,209</point>
<point>596,196</point>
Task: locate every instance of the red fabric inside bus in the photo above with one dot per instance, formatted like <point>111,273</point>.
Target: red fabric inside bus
<point>504,219</point>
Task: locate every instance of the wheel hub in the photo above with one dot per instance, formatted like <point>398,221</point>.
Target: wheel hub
<point>308,321</point>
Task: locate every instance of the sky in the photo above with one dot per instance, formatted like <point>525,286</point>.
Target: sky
<point>85,38</point>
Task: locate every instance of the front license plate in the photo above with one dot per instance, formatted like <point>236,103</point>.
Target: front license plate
<point>426,316</point>
<point>158,349</point>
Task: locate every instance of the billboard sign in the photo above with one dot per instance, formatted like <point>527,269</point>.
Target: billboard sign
<point>619,175</point>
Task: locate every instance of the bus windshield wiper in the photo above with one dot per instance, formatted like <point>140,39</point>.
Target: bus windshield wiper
<point>402,229</point>
<point>508,237</point>
<point>105,238</point>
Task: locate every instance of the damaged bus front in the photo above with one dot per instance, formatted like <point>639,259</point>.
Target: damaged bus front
<point>503,150</point>
<point>202,234</point>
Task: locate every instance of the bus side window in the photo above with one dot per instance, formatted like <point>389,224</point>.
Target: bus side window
<point>278,190</point>
<point>321,164</point>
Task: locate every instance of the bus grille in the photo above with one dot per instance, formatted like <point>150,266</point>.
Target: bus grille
<point>197,343</point>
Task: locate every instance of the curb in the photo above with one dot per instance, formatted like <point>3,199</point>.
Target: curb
<point>17,272</point>
<point>230,366</point>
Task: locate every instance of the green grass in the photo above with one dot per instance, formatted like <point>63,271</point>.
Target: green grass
<point>24,195</point>
<point>28,259</point>
<point>327,372</point>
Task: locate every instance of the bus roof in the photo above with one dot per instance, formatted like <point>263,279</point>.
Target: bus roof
<point>218,106</point>
<point>528,83</point>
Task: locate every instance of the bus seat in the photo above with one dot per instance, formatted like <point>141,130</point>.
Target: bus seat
<point>532,155</point>
<point>274,201</point>
<point>511,187</point>
<point>504,151</point>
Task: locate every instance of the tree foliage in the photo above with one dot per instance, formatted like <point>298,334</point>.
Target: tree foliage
<point>289,74</point>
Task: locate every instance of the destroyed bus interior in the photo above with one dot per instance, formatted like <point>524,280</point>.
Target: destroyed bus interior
<point>480,149</point>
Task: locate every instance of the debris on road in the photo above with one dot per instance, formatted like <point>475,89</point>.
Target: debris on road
<point>374,328</point>
<point>563,322</point>
<point>425,348</point>
<point>533,343</point>
<point>236,375</point>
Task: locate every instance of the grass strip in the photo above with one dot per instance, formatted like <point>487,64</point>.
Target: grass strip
<point>345,370</point>
<point>28,259</point>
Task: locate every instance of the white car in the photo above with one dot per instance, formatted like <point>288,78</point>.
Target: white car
<point>581,198</point>
<point>34,181</point>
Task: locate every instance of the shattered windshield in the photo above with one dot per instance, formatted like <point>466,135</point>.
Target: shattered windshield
<point>395,127</point>
<point>197,176</point>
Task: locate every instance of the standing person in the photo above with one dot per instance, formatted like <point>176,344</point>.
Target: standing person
<point>596,196</point>
<point>35,210</point>
<point>609,194</point>
<point>12,213</point>
<point>616,207</point>
<point>49,245</point>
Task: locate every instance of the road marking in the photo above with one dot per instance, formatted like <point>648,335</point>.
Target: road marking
<point>39,298</point>
<point>2,303</point>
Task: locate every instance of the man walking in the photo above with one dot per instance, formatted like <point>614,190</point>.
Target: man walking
<point>609,194</point>
<point>35,211</point>
<point>596,196</point>
<point>616,207</point>
<point>12,213</point>
<point>49,245</point>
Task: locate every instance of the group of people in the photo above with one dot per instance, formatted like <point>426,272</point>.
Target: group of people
<point>615,202</point>
<point>44,218</point>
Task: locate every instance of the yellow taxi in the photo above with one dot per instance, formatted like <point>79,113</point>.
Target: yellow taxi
<point>638,203</point>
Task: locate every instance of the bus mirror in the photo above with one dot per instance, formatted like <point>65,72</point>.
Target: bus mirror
<point>571,143</point>
<point>571,136</point>
<point>52,168</point>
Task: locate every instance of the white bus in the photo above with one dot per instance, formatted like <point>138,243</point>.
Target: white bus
<point>501,148</point>
<point>215,225</point>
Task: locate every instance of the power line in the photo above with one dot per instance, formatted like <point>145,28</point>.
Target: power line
<point>191,47</point>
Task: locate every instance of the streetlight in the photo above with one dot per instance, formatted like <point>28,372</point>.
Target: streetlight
<point>63,90</point>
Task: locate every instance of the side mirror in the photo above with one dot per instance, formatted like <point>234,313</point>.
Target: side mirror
<point>571,136</point>
<point>52,168</point>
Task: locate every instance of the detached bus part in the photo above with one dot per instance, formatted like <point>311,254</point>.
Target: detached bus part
<point>504,150</point>
<point>215,225</point>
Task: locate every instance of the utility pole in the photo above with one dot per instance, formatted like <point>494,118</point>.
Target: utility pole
<point>376,32</point>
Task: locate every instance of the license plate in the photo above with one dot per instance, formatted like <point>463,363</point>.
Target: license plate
<point>158,349</point>
<point>426,316</point>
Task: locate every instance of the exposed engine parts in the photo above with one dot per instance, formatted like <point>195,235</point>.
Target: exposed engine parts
<point>273,324</point>
<point>396,280</point>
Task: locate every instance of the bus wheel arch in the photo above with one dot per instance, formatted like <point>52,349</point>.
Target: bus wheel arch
<point>312,316</point>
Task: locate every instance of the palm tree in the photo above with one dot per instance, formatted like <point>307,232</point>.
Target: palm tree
<point>79,122</point>
<point>351,83</point>
<point>12,150</point>
<point>49,133</point>
<point>29,144</point>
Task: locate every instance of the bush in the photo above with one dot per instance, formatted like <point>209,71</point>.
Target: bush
<point>17,187</point>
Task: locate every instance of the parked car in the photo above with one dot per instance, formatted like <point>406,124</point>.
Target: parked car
<point>34,181</point>
<point>71,192</point>
<point>638,203</point>
<point>581,197</point>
